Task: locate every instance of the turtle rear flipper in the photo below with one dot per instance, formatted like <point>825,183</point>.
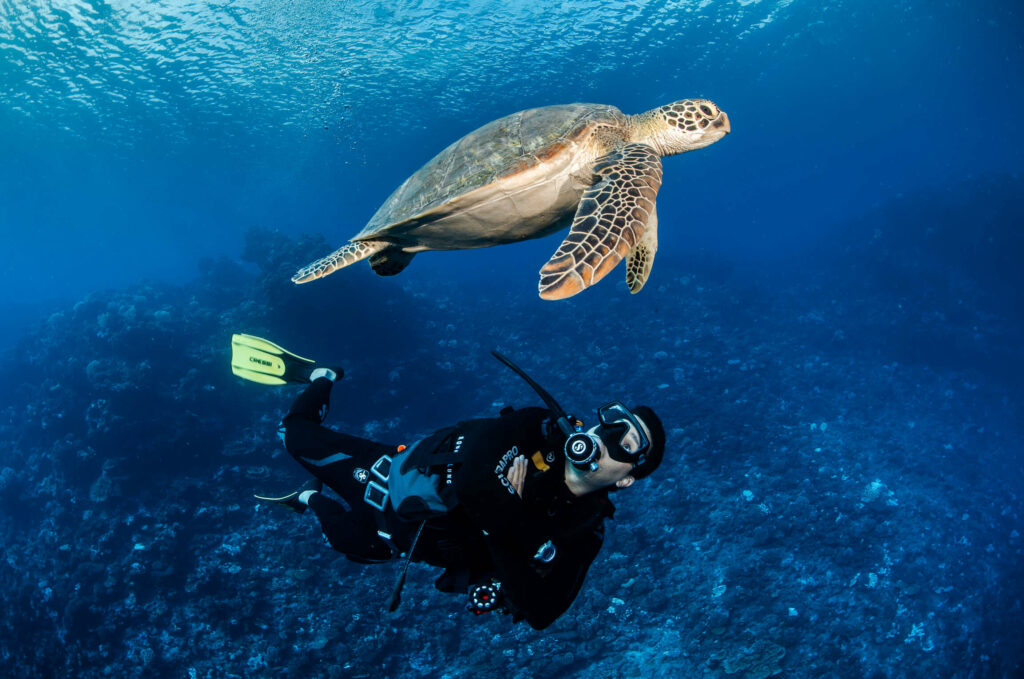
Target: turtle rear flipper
<point>390,261</point>
<point>609,223</point>
<point>350,253</point>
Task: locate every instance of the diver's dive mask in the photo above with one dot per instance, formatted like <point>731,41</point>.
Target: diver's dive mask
<point>619,431</point>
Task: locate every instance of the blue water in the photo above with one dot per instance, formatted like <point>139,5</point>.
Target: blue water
<point>138,137</point>
<point>848,255</point>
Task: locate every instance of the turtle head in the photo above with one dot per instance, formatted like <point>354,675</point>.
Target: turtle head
<point>685,125</point>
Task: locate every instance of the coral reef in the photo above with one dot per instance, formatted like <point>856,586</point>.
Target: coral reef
<point>756,661</point>
<point>828,507</point>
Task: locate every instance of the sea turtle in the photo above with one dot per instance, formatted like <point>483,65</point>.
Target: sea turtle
<point>530,174</point>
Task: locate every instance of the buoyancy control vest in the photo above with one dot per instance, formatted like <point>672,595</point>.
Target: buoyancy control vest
<point>417,489</point>
<point>425,479</point>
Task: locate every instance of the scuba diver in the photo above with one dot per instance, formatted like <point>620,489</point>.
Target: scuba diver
<point>511,507</point>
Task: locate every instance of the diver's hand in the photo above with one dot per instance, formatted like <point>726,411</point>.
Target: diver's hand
<point>517,474</point>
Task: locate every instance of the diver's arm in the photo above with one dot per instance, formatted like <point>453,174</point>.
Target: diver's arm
<point>540,593</point>
<point>504,518</point>
<point>490,496</point>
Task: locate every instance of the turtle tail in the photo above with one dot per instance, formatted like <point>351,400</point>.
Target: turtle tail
<point>349,253</point>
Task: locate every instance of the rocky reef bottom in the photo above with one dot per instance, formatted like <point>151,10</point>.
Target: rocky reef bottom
<point>841,494</point>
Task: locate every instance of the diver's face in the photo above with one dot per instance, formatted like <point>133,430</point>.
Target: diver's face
<point>630,441</point>
<point>609,472</point>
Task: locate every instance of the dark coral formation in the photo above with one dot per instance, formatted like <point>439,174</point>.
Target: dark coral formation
<point>837,503</point>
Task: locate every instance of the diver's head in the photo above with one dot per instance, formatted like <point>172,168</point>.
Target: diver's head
<point>684,125</point>
<point>625,445</point>
<point>656,433</point>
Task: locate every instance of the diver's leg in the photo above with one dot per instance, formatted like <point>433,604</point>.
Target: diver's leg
<point>317,447</point>
<point>330,455</point>
<point>297,499</point>
<point>352,532</point>
<point>341,461</point>
<point>313,403</point>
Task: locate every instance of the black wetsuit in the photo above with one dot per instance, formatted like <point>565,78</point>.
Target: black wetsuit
<point>491,532</point>
<point>517,527</point>
<point>343,462</point>
<point>336,459</point>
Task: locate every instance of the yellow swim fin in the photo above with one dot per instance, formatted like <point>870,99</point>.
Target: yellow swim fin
<point>259,360</point>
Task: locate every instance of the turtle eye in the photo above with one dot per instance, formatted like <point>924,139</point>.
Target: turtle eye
<point>706,110</point>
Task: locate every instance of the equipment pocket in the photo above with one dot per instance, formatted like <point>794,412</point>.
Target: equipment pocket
<point>415,495</point>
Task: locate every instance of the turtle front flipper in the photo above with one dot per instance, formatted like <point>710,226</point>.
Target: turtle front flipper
<point>641,257</point>
<point>349,253</point>
<point>609,222</point>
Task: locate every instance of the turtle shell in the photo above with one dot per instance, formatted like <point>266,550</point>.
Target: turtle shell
<point>499,149</point>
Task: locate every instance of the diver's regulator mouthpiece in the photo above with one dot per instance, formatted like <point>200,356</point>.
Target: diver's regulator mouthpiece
<point>619,432</point>
<point>581,449</point>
